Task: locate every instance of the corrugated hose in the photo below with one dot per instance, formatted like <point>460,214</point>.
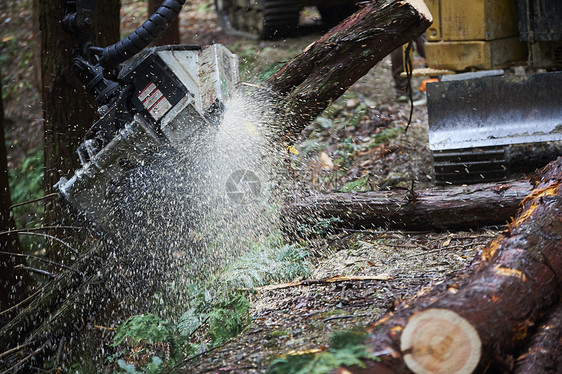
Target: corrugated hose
<point>126,48</point>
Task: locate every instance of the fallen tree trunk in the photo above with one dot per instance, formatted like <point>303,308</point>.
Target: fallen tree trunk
<point>474,322</point>
<point>437,208</point>
<point>311,81</point>
<point>544,353</point>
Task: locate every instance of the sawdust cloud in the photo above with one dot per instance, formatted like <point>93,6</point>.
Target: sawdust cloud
<point>180,218</point>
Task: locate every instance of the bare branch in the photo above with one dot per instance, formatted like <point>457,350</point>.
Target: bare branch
<point>49,196</point>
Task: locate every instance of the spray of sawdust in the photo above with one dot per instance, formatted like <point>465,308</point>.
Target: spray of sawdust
<point>181,217</point>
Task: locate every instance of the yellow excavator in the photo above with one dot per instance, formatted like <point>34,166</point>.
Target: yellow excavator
<point>499,87</point>
<point>479,111</point>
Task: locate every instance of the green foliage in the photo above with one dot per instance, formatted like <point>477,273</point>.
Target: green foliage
<point>26,59</point>
<point>359,112</point>
<point>346,348</point>
<point>293,260</point>
<point>205,7</point>
<point>348,338</point>
<point>149,334</point>
<point>267,261</point>
<point>26,183</point>
<point>278,333</point>
<point>385,136</point>
<point>154,367</point>
<point>189,321</point>
<point>212,304</point>
<point>311,147</point>
<point>229,318</point>
<point>345,152</point>
<point>321,228</point>
<point>358,185</point>
<point>269,71</point>
<point>128,368</point>
<point>148,327</point>
<point>246,55</point>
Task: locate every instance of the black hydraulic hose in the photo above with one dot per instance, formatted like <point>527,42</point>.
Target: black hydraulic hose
<point>117,53</point>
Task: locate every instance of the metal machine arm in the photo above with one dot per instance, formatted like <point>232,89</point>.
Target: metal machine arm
<point>92,64</point>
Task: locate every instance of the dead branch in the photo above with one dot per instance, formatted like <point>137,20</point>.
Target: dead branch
<point>335,279</point>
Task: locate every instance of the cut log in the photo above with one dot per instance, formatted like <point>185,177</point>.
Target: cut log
<point>483,316</point>
<point>311,81</point>
<point>544,355</point>
<point>437,208</point>
<point>427,339</point>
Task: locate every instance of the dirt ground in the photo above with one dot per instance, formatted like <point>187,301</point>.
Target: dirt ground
<point>300,317</point>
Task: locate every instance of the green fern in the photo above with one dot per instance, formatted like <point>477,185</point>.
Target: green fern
<point>263,266</point>
<point>346,348</point>
<point>212,302</point>
<point>151,329</point>
<point>148,327</point>
<point>229,318</point>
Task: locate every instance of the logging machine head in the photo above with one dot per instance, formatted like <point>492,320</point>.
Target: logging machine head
<point>159,97</point>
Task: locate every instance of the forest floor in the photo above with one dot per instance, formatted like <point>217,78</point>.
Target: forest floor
<point>361,137</point>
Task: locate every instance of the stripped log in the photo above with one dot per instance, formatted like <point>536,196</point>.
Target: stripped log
<point>544,352</point>
<point>451,207</point>
<point>476,321</point>
<point>312,80</point>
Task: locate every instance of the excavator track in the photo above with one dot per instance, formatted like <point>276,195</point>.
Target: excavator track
<point>258,19</point>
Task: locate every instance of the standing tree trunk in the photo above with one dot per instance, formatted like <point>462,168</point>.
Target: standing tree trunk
<point>172,34</point>
<point>12,285</point>
<point>68,110</point>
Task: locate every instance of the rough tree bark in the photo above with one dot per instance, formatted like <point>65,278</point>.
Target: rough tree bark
<point>544,355</point>
<point>437,208</point>
<point>312,80</point>
<point>68,110</point>
<point>12,284</point>
<point>475,321</point>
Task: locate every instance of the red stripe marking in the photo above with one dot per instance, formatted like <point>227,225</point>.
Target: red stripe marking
<point>150,95</point>
<point>156,103</point>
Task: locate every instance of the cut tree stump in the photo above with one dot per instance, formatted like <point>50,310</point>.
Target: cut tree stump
<point>476,321</point>
<point>455,207</point>
<point>310,82</point>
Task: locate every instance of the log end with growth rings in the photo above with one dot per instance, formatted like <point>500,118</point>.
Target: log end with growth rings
<point>440,341</point>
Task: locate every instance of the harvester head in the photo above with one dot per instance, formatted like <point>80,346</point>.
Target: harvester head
<point>168,94</point>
